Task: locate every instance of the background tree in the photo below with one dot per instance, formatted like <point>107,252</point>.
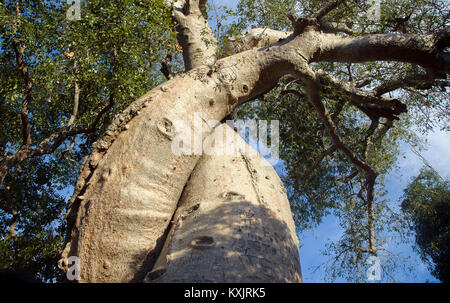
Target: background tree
<point>61,82</point>
<point>426,203</point>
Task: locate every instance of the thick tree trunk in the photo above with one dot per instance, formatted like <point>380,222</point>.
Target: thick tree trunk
<point>233,223</point>
<point>129,187</point>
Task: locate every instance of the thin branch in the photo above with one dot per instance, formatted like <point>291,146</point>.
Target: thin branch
<point>27,96</point>
<point>300,24</point>
<point>50,144</point>
<point>93,126</point>
<point>312,85</point>
<point>76,98</point>
<point>367,140</point>
<point>427,164</point>
<point>420,81</point>
<point>367,101</point>
<point>317,161</point>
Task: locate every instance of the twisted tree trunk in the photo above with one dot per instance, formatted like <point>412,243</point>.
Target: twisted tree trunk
<point>233,223</point>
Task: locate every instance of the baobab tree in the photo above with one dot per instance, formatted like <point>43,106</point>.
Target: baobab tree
<point>139,212</point>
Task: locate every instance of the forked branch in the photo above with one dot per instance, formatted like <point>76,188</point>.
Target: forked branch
<point>313,92</point>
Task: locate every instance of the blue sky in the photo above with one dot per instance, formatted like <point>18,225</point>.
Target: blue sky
<point>314,241</point>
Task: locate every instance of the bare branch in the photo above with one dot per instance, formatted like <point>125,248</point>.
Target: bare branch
<point>335,27</point>
<point>420,81</point>
<point>256,37</point>
<point>76,99</point>
<point>195,7</point>
<point>302,23</point>
<point>312,85</point>
<point>195,36</point>
<point>423,50</point>
<point>314,97</point>
<point>373,126</point>
<point>366,101</point>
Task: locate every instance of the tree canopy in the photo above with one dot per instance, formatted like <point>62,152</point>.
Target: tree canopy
<point>426,202</point>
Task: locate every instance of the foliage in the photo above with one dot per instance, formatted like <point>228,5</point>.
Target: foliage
<point>426,203</point>
<point>40,228</point>
<point>113,54</point>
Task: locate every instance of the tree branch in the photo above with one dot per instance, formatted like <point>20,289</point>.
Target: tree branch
<point>300,24</point>
<point>27,96</point>
<point>335,27</point>
<point>256,37</point>
<point>312,86</point>
<point>424,50</point>
<point>373,126</point>
<point>317,161</point>
<point>420,81</point>
<point>368,102</point>
<point>314,97</point>
<point>326,9</point>
<point>76,98</point>
<point>50,144</point>
<point>195,36</point>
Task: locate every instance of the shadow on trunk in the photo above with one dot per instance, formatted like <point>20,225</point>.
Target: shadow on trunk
<point>237,241</point>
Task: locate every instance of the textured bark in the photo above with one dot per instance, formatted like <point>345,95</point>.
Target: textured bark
<point>129,187</point>
<point>233,223</point>
<point>194,33</point>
